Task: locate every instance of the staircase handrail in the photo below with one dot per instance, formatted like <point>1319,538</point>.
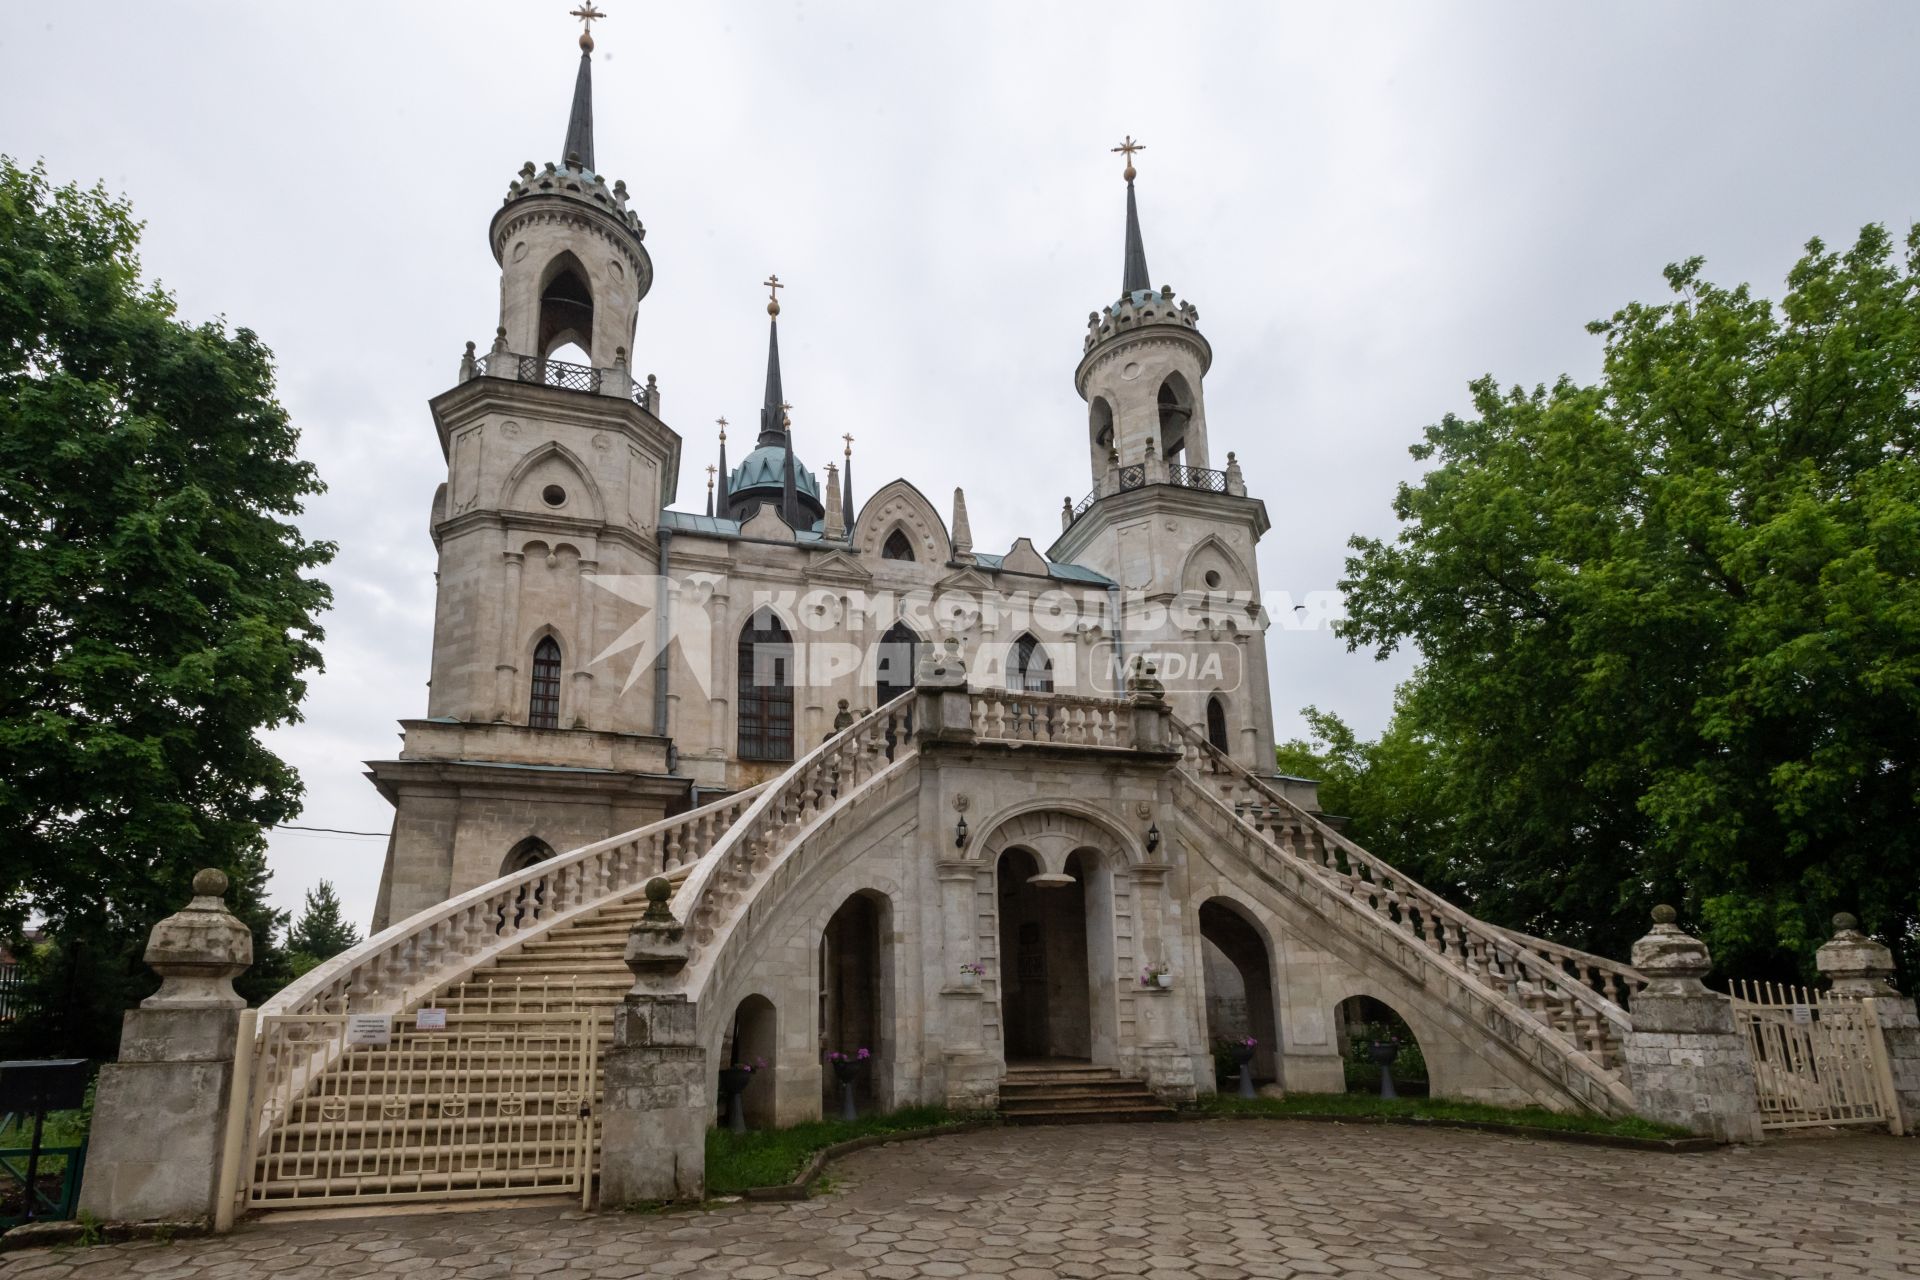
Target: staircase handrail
<point>784,807</point>
<point>1389,879</point>
<point>1598,972</point>
<point>433,947</point>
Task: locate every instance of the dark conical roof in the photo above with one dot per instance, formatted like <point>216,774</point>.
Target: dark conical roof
<point>772,426</point>
<point>580,119</point>
<point>1134,276</point>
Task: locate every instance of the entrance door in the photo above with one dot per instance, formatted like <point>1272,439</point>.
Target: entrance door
<point>1044,982</point>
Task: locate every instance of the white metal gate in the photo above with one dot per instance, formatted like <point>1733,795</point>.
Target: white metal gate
<point>1818,1058</point>
<point>349,1109</point>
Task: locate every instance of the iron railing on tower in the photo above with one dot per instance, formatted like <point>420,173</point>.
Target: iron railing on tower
<point>557,373</point>
<point>1135,476</point>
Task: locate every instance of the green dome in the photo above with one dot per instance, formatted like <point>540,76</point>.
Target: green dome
<point>765,468</point>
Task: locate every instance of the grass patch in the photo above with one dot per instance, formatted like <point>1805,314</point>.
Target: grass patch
<point>768,1157</point>
<point>1356,1104</point>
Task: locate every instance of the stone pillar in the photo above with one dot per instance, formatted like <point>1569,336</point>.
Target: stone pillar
<point>653,1123</point>
<point>1856,965</point>
<point>940,682</point>
<point>159,1113</point>
<point>972,1074</point>
<point>1161,1012</point>
<point>1686,1060</point>
<point>584,652</point>
<point>507,666</point>
<point>1152,717</point>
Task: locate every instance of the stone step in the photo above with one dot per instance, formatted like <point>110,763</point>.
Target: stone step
<point>1108,1115</point>
<point>1061,1075</point>
<point>1114,1090</point>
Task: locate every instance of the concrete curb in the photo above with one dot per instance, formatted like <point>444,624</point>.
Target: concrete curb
<point>68,1231</point>
<point>802,1185</point>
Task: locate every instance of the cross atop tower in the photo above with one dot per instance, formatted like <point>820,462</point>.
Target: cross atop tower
<point>773,294</point>
<point>1127,148</point>
<point>723,429</point>
<point>586,13</point>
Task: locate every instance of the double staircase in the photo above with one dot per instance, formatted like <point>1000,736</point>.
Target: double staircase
<point>1075,1093</point>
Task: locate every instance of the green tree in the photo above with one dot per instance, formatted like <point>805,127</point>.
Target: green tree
<point>320,932</point>
<point>1669,624</point>
<point>158,606</point>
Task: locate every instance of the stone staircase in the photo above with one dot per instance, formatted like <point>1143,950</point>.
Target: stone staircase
<point>1075,1093</point>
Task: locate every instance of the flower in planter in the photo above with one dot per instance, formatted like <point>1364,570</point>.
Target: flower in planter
<point>1151,974</point>
<point>752,1064</point>
<point>1249,1042</point>
<point>858,1055</point>
<point>974,968</point>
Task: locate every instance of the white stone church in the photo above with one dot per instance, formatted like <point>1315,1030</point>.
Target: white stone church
<point>701,801</point>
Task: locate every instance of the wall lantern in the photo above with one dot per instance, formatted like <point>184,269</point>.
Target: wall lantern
<point>1153,838</point>
<point>960,833</point>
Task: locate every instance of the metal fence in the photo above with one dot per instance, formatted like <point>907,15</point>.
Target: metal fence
<point>1135,477</point>
<point>1818,1058</point>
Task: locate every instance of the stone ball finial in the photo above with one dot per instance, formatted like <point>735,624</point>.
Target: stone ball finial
<point>1664,914</point>
<point>1846,922</point>
<point>1673,960</point>
<point>199,950</point>
<point>1854,964</point>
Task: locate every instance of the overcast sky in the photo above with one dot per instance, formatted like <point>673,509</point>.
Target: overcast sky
<point>1371,204</point>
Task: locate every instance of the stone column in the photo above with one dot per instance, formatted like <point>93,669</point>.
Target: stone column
<point>507,665</point>
<point>945,711</point>
<point>159,1113</point>
<point>653,1123</point>
<point>584,646</point>
<point>1686,1060</point>
<point>1159,1012</point>
<point>972,1074</point>
<point>1856,965</point>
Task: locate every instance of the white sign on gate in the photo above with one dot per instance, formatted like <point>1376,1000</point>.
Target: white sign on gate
<point>1802,1014</point>
<point>375,1029</point>
<point>430,1020</point>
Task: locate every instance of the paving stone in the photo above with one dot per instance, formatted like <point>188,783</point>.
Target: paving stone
<point>1163,1202</point>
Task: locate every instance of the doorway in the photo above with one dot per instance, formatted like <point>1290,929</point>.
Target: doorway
<point>1045,984</point>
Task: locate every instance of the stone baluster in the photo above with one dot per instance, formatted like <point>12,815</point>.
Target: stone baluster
<point>1687,1062</point>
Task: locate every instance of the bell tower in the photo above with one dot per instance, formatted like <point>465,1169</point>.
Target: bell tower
<point>557,471</point>
<point>1176,534</point>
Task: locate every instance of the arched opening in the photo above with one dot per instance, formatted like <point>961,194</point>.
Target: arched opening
<point>898,546</point>
<point>1099,432</point>
<point>1045,977</point>
<point>1217,723</point>
<point>566,308</point>
<point>543,703</point>
<point>1362,1022</point>
<point>1175,403</point>
<point>894,662</point>
<point>753,1040</point>
<point>854,998</point>
<point>525,854</point>
<point>1031,670</point>
<point>765,689</point>
<point>1239,979</point>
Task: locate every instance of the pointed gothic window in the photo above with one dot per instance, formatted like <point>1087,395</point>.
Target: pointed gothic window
<point>1217,722</point>
<point>1031,670</point>
<point>527,853</point>
<point>893,666</point>
<point>543,709</point>
<point>765,688</point>
<point>898,546</point>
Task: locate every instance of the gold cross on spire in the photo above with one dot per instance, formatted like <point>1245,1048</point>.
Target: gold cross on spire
<point>711,471</point>
<point>849,439</point>
<point>586,13</point>
<point>723,427</point>
<point>1127,148</point>
<point>773,294</point>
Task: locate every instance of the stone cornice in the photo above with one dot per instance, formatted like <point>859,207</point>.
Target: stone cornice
<point>1153,500</point>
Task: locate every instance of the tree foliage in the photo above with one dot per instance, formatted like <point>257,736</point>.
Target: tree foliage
<point>159,611</point>
<point>1669,624</point>
<point>320,932</point>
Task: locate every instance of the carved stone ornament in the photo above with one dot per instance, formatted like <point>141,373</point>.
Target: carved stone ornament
<point>1673,960</point>
<point>199,950</point>
<point>1855,964</point>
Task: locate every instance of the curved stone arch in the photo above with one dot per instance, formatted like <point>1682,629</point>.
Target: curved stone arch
<point>1234,561</point>
<point>898,504</point>
<point>1442,1074</point>
<point>1267,1021</point>
<point>1051,830</point>
<point>546,450</point>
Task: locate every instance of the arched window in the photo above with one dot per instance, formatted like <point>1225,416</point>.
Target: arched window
<point>1031,670</point>
<point>1100,426</point>
<point>893,665</point>
<point>528,852</point>
<point>898,546</point>
<point>1175,403</point>
<point>766,689</point>
<point>566,307</point>
<point>543,709</point>
<point>1217,722</point>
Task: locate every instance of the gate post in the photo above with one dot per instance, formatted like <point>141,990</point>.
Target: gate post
<point>1856,965</point>
<point>1687,1062</point>
<point>159,1112</point>
<point>653,1126</point>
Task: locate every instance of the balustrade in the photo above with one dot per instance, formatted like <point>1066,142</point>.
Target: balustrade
<point>1059,718</point>
<point>1561,988</point>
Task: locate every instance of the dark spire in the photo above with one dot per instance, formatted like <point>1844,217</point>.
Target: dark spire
<point>1135,276</point>
<point>772,428</point>
<point>789,483</point>
<point>724,507</point>
<point>846,481</point>
<point>579,142</point>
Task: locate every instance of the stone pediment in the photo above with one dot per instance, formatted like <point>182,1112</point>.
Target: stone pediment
<point>767,526</point>
<point>967,579</point>
<point>1024,559</point>
<point>838,566</point>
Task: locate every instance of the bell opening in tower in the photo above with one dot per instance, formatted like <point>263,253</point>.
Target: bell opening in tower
<point>566,309</point>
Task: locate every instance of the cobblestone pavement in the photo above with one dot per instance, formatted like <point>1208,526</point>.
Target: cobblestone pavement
<point>1168,1202</point>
